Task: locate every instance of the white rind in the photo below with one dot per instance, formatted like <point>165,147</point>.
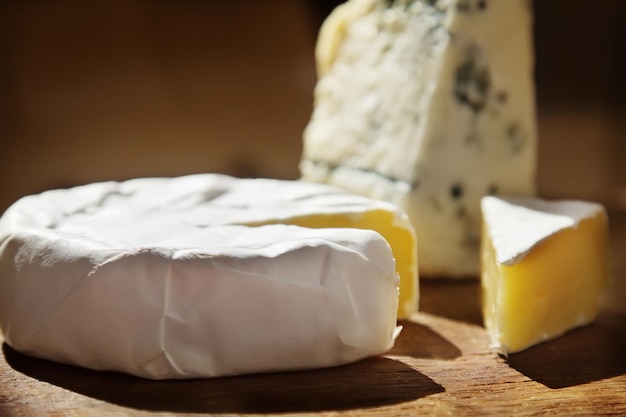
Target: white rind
<point>530,221</point>
<point>148,277</point>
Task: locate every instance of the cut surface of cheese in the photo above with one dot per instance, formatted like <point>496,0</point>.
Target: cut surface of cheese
<point>196,277</point>
<point>545,268</point>
<point>429,105</point>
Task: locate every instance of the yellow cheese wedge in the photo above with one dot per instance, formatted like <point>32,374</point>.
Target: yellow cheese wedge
<point>545,267</point>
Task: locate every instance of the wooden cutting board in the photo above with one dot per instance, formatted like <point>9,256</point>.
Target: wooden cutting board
<point>441,365</point>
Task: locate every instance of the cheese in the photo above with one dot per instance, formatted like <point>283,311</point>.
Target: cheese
<point>194,277</point>
<point>429,105</point>
<point>544,268</point>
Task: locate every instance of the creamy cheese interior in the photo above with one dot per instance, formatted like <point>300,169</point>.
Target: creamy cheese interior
<point>558,282</point>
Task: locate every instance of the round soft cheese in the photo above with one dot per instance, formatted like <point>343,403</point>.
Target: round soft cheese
<point>161,278</point>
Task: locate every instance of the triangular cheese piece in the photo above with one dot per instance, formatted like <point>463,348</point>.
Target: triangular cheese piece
<point>428,104</point>
<point>544,268</point>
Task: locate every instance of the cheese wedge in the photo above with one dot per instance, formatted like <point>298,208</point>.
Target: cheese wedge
<point>545,268</point>
<point>195,277</point>
<point>429,105</point>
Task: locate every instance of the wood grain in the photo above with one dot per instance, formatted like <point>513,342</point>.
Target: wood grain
<point>441,365</point>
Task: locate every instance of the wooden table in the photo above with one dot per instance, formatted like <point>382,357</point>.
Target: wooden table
<point>441,365</point>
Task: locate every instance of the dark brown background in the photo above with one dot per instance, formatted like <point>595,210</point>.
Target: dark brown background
<point>105,90</point>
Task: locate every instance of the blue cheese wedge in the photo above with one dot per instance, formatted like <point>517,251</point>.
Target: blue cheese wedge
<point>430,105</point>
<point>198,276</point>
<point>545,268</point>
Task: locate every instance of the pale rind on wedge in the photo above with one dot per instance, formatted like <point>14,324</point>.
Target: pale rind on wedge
<point>545,268</point>
<point>185,278</point>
